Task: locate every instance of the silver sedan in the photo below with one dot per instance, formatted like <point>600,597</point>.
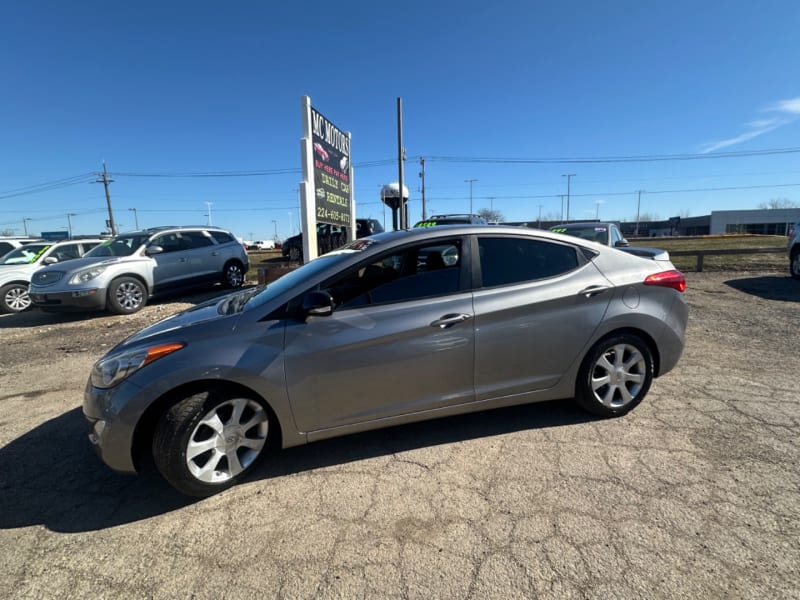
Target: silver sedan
<point>395,328</point>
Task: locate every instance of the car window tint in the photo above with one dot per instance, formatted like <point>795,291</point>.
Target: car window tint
<point>221,237</point>
<point>510,260</point>
<point>66,252</point>
<point>194,239</point>
<point>170,242</point>
<point>409,274</point>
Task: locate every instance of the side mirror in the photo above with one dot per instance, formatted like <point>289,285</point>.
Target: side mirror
<point>318,304</point>
<point>50,260</point>
<point>154,249</point>
<point>621,243</point>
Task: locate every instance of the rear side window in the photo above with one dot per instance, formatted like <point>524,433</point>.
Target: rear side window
<point>510,260</point>
<point>221,237</point>
<point>5,247</point>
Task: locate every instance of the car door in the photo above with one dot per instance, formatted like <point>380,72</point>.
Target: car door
<point>401,341</point>
<point>536,307</point>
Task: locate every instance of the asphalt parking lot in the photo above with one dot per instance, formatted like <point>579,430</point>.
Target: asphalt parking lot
<point>695,494</point>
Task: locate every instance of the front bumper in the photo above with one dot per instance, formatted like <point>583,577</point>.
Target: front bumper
<point>78,299</point>
<point>109,430</point>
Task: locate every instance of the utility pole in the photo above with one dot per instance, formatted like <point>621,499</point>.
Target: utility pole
<point>539,224</point>
<point>400,159</point>
<point>638,206</point>
<point>25,225</point>
<point>135,218</point>
<point>208,205</point>
<point>275,223</point>
<point>568,176</point>
<point>69,224</point>
<point>105,181</point>
<point>470,182</point>
<point>562,196</point>
<point>422,176</point>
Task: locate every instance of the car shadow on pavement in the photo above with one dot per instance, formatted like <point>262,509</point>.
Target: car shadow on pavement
<point>769,287</point>
<point>51,477</point>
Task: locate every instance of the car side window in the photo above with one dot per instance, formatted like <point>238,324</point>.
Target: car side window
<point>194,239</point>
<point>421,271</point>
<point>615,236</point>
<point>67,252</point>
<point>170,242</point>
<point>221,237</point>
<point>511,260</point>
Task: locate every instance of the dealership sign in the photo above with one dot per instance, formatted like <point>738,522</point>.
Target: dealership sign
<point>326,190</point>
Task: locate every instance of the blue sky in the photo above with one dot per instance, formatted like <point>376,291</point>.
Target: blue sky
<point>201,87</point>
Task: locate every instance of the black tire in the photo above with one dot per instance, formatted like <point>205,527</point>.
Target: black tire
<point>615,375</point>
<point>200,461</point>
<point>794,264</point>
<point>14,298</point>
<point>126,295</point>
<point>295,254</point>
<point>233,274</point>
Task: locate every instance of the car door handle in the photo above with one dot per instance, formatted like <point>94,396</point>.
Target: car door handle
<point>593,290</point>
<point>451,319</point>
<point>215,253</point>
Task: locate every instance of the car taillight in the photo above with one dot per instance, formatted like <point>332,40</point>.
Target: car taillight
<point>673,279</point>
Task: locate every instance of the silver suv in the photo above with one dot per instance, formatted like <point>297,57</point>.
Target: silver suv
<point>123,273</point>
<point>17,267</point>
<point>793,249</point>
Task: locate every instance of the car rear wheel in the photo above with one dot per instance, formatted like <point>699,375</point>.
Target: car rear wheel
<point>794,264</point>
<point>14,298</point>
<point>126,296</point>
<point>615,376</point>
<point>207,442</point>
<point>295,255</point>
<point>233,275</point>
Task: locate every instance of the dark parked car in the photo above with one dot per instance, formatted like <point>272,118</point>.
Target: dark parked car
<point>608,234</point>
<point>394,328</point>
<point>329,237</point>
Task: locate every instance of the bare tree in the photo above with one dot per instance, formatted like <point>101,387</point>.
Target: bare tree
<point>775,203</point>
<point>491,214</point>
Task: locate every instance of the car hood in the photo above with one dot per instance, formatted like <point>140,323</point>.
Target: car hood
<point>223,312</point>
<point>76,264</point>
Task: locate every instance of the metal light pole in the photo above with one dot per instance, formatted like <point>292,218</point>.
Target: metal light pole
<point>208,204</point>
<point>135,218</point>
<point>470,182</point>
<point>69,223</point>
<point>638,206</point>
<point>25,225</point>
<point>275,223</point>
<point>568,176</point>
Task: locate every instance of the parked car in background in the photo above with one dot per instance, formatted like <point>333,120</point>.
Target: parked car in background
<point>395,328</point>
<point>793,249</point>
<point>7,244</point>
<point>329,237</point>
<point>262,245</point>
<point>17,267</point>
<point>608,234</point>
<point>121,274</point>
<point>455,219</point>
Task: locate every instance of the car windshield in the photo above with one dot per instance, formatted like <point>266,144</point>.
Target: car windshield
<point>123,245</point>
<point>25,255</point>
<point>594,233</point>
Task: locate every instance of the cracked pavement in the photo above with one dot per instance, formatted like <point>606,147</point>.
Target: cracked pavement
<point>695,494</point>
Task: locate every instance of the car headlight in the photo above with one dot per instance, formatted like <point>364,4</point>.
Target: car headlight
<point>86,275</point>
<point>112,369</point>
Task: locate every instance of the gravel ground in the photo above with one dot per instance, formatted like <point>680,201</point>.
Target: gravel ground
<point>695,494</point>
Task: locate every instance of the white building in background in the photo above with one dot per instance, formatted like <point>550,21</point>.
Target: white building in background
<point>773,221</point>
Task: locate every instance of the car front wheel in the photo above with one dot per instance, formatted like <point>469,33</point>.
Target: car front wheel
<point>794,264</point>
<point>126,296</point>
<point>295,255</point>
<point>233,275</point>
<point>207,442</point>
<point>14,298</point>
<point>615,376</point>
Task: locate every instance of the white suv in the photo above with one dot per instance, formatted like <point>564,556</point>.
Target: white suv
<point>793,249</point>
<point>17,267</point>
<point>123,273</point>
